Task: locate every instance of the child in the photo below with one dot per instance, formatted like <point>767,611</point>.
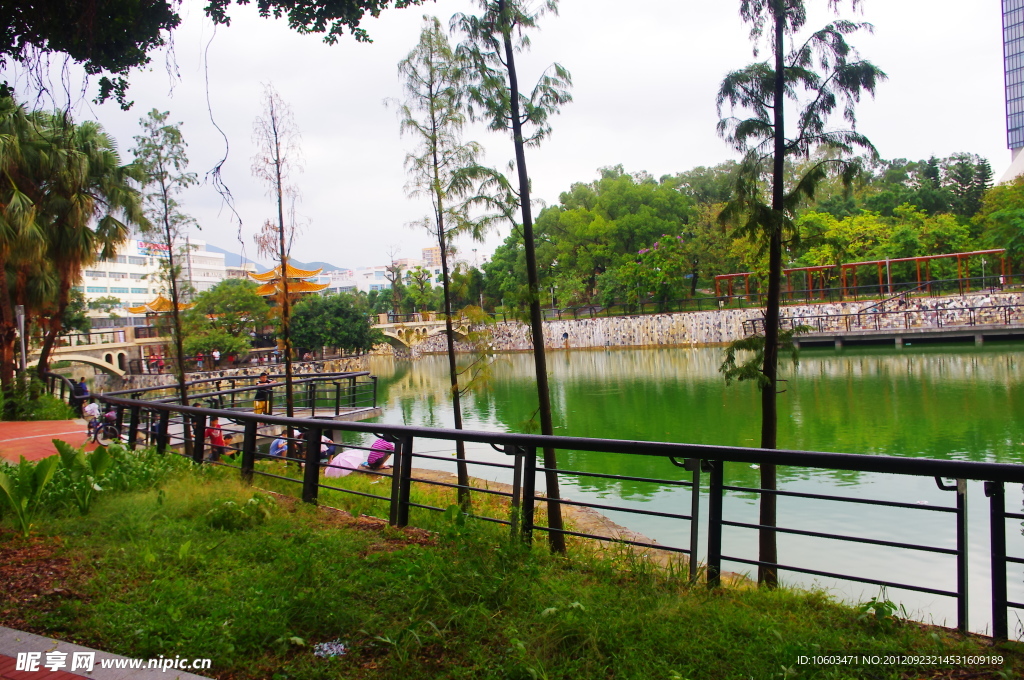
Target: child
<point>216,438</point>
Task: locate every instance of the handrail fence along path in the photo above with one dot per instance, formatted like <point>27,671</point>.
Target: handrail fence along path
<point>523,463</point>
<point>899,319</point>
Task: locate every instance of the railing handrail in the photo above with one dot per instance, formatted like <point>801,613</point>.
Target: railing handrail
<point>753,323</point>
<point>189,383</point>
<point>919,467</point>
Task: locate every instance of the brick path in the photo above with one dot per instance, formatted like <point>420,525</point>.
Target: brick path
<point>32,439</point>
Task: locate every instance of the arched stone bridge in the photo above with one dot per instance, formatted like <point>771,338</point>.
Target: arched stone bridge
<point>405,335</point>
<point>109,351</point>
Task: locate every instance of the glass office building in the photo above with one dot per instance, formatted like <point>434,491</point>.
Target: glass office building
<point>1013,60</point>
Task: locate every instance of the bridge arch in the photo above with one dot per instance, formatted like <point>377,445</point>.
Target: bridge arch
<point>110,367</point>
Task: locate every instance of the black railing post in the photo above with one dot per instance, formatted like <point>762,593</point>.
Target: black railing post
<point>249,450</point>
<point>529,493</point>
<point>997,529</point>
<point>404,482</point>
<point>337,398</point>
<point>517,487</point>
<point>162,435</point>
<point>133,427</point>
<point>694,519</point>
<point>311,473</point>
<point>374,378</point>
<point>352,392</point>
<point>198,430</point>
<point>233,395</point>
<point>395,479</point>
<point>715,523</point>
<point>961,548</point>
<point>962,560</point>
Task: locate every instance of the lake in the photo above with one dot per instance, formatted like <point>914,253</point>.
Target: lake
<point>935,401</point>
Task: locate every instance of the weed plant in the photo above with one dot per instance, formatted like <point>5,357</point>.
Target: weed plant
<point>165,572</point>
<point>28,400</point>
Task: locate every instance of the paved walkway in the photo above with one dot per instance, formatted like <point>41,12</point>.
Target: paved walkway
<point>13,642</point>
<point>33,438</point>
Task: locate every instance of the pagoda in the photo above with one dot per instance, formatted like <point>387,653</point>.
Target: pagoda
<point>160,305</point>
<point>272,283</point>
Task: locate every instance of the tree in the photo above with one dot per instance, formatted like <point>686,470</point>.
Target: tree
<point>112,37</point>
<point>89,205</point>
<point>160,155</point>
<point>337,321</point>
<point>445,169</point>
<point>278,158</point>
<point>420,290</point>
<point>223,317</point>
<point>492,40</point>
<point>1001,219</point>
<point>820,74</point>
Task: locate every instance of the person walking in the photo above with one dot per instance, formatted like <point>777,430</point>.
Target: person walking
<point>80,395</point>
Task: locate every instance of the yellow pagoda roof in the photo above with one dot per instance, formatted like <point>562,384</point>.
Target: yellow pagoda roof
<point>160,305</point>
<point>293,287</point>
<point>293,273</point>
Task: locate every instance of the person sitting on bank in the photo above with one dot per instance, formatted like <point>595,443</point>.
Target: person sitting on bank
<point>380,452</point>
<point>280,445</point>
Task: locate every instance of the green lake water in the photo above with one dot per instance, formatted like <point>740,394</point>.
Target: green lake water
<point>950,401</point>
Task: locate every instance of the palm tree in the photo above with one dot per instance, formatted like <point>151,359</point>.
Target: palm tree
<point>87,210</point>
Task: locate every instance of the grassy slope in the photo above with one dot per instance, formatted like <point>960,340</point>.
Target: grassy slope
<point>156,579</point>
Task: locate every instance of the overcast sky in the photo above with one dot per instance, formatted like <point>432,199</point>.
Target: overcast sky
<point>645,75</point>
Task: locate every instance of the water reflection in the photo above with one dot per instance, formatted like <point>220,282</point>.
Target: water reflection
<point>933,401</point>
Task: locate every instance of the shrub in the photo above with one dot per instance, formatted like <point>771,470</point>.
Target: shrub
<point>232,516</point>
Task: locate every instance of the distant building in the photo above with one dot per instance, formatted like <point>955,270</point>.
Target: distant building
<point>135,276</point>
<point>1013,72</point>
<point>239,271</point>
<point>432,256</point>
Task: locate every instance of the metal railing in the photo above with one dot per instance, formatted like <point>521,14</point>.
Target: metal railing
<point>754,300</point>
<point>323,394</point>
<point>176,425</point>
<point>900,319</point>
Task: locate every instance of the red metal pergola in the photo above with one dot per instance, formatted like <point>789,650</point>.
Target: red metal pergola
<point>848,270</point>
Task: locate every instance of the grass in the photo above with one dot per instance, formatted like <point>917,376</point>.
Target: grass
<point>150,575</point>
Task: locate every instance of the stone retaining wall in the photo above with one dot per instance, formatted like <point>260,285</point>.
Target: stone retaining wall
<point>671,330</point>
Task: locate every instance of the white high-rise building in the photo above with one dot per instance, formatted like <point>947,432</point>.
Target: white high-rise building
<point>1013,73</point>
<point>135,275</point>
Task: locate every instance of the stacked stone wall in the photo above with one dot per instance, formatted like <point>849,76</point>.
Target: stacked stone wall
<point>678,329</point>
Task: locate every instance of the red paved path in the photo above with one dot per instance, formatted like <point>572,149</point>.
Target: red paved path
<point>32,439</point>
<point>9,663</point>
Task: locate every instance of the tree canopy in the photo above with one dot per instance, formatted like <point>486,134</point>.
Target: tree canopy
<point>337,321</point>
<point>112,37</point>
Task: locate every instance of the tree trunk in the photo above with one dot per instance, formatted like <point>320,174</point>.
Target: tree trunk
<point>7,334</point>
<point>460,446</point>
<point>555,538</point>
<point>767,542</point>
<point>56,322</point>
